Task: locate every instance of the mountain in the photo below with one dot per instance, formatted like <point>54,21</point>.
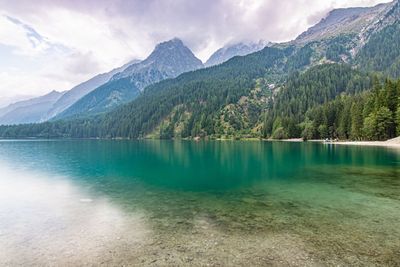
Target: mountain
<point>76,93</point>
<point>192,101</point>
<point>6,101</point>
<point>332,85</point>
<point>168,60</point>
<point>381,43</point>
<point>342,21</point>
<point>29,111</point>
<point>233,50</point>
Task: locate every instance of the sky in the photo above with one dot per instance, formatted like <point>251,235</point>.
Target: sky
<point>50,45</point>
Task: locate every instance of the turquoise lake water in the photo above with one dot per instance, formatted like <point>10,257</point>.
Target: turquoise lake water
<point>182,203</point>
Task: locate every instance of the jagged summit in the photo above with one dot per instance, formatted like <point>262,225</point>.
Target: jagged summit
<point>343,21</point>
<point>170,58</point>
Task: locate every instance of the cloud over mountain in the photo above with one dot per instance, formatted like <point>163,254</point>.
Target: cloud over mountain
<point>51,33</point>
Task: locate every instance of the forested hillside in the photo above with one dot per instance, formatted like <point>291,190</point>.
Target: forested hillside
<point>202,93</point>
<point>373,115</point>
<point>101,100</point>
<point>307,90</point>
<point>304,106</point>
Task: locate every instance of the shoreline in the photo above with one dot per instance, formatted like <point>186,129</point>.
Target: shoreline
<point>368,143</point>
<point>394,143</point>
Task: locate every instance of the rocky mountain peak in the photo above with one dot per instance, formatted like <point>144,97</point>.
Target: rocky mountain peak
<point>170,58</point>
<point>342,21</point>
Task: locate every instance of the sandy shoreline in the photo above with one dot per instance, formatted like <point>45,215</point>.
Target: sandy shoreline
<point>393,143</point>
<point>369,143</point>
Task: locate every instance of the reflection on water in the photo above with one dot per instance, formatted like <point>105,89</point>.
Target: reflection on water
<point>45,220</point>
<point>184,203</point>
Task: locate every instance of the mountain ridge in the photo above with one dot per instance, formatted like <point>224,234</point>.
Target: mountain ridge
<point>168,60</point>
<point>31,110</point>
<point>82,89</point>
<point>341,21</point>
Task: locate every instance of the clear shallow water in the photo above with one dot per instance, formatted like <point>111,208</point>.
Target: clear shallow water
<point>185,203</point>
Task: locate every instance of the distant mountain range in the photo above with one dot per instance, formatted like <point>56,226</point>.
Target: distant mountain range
<point>106,91</point>
<point>29,111</point>
<point>46,107</point>
<point>8,100</point>
<point>233,50</point>
<point>76,93</point>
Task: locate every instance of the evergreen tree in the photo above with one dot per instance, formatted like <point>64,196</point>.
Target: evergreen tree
<point>370,130</point>
<point>384,123</point>
<point>398,118</point>
<point>345,119</point>
<point>309,131</point>
<point>356,120</point>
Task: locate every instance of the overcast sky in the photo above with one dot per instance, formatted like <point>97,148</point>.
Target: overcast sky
<point>54,44</point>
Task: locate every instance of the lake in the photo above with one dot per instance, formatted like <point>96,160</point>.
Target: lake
<point>183,203</point>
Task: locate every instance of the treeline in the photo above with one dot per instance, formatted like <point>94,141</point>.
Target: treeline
<point>373,115</point>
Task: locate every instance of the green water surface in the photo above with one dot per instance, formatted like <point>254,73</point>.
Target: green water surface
<point>182,203</point>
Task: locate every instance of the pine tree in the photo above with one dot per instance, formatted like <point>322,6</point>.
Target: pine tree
<point>384,123</point>
<point>391,103</point>
<point>369,129</point>
<point>308,132</point>
<point>357,122</point>
<point>398,118</point>
<point>345,120</point>
<point>391,95</point>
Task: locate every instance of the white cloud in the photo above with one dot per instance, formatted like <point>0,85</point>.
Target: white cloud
<point>21,83</point>
<point>67,41</point>
<point>15,36</point>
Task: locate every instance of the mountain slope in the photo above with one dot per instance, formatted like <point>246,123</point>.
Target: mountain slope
<point>76,93</point>
<point>382,52</point>
<point>342,21</point>
<point>168,60</point>
<point>202,93</point>
<point>31,110</point>
<point>6,101</point>
<point>240,49</point>
<point>14,104</point>
<point>194,98</point>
